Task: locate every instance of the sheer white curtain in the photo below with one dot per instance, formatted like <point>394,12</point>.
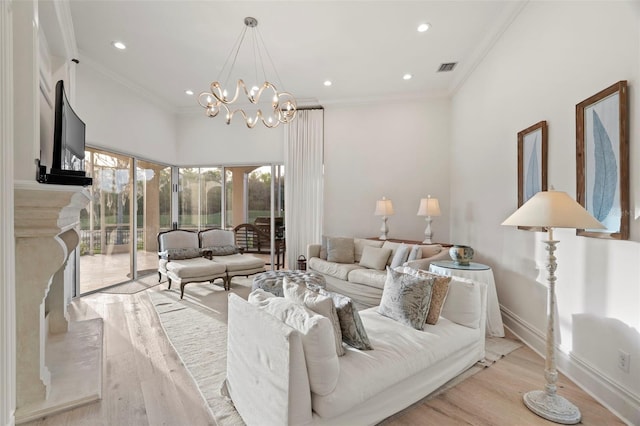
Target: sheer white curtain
<point>303,182</point>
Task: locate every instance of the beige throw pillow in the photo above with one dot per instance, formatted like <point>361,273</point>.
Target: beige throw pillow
<point>340,250</point>
<point>318,303</point>
<point>375,257</point>
<point>438,295</point>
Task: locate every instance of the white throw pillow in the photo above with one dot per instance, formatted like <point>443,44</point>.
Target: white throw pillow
<point>319,304</point>
<point>462,304</point>
<point>415,254</point>
<point>317,335</point>
<point>375,257</point>
<point>400,257</point>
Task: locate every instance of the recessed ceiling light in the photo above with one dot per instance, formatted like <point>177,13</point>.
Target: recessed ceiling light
<point>189,92</point>
<point>119,45</point>
<point>328,83</point>
<point>423,27</point>
<point>407,76</point>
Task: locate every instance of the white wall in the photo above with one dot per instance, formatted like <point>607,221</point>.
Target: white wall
<point>204,141</point>
<point>119,119</point>
<point>553,56</point>
<point>399,150</point>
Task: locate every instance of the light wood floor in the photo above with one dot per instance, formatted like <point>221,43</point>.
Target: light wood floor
<point>146,384</point>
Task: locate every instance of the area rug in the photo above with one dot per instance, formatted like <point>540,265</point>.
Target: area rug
<point>135,286</point>
<point>197,328</point>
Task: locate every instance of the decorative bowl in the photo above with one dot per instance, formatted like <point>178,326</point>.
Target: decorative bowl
<point>461,255</point>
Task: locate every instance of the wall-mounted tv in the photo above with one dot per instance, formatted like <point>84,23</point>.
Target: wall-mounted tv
<point>67,166</point>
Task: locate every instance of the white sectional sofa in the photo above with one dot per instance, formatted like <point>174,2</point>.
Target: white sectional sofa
<point>364,282</point>
<point>270,368</point>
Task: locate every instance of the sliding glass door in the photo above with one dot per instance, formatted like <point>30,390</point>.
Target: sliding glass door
<point>105,225</point>
<point>153,212</point>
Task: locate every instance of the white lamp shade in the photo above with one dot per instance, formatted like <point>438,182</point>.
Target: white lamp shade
<point>384,207</point>
<point>429,207</point>
<point>553,209</point>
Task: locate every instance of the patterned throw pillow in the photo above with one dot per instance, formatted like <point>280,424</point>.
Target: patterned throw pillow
<point>406,298</point>
<point>353,332</point>
<point>180,253</point>
<point>222,250</point>
<point>439,294</point>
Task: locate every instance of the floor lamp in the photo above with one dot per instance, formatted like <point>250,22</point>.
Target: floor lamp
<point>552,209</point>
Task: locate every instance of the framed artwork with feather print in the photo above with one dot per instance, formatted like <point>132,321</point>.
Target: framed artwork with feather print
<point>602,161</point>
<point>532,164</point>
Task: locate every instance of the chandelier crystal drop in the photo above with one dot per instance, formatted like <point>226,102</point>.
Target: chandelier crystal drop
<point>283,105</point>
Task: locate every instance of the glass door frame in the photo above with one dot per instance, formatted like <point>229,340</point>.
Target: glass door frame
<point>133,211</point>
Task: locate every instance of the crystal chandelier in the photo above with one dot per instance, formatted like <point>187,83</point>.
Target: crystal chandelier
<point>283,104</point>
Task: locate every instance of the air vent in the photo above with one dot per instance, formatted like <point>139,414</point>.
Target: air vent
<point>447,67</point>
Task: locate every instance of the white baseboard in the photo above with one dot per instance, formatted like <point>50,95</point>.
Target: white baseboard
<point>615,397</point>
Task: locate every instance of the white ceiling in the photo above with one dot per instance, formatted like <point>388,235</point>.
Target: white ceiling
<point>364,47</point>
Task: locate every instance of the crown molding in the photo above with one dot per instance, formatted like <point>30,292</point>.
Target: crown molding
<point>123,81</point>
<point>511,11</point>
<point>65,23</point>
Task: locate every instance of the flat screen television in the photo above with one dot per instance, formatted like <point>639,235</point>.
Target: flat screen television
<point>67,166</point>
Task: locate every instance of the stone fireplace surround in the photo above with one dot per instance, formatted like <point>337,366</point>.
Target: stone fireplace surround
<point>58,362</point>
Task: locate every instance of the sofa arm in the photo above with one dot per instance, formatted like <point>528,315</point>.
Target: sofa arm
<point>313,250</point>
<point>424,263</point>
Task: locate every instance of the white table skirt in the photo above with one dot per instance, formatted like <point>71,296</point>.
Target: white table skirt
<point>494,318</point>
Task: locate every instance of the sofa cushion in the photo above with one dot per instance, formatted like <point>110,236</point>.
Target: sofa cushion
<point>322,362</point>
<point>374,257</point>
<point>216,237</point>
<point>438,295</point>
<point>369,277</point>
<point>401,255</point>
<point>430,250</point>
<point>222,250</point>
<point>406,298</point>
<point>353,332</point>
<point>359,245</point>
<point>180,253</point>
<point>333,269</point>
<point>318,303</point>
<point>239,262</point>
<point>415,253</point>
<point>323,248</point>
<point>393,247</point>
<point>198,267</point>
<point>340,250</point>
<point>462,305</point>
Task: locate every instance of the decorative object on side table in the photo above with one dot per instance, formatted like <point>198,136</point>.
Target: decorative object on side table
<point>384,208</point>
<point>602,161</point>
<point>461,255</point>
<point>428,207</point>
<point>552,209</point>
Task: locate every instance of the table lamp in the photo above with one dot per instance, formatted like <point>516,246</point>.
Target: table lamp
<point>428,207</point>
<point>552,209</point>
<point>384,208</point>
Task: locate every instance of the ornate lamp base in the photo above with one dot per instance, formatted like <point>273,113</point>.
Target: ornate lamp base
<point>552,407</point>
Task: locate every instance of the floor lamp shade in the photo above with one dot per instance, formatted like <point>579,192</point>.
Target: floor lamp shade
<point>552,209</point>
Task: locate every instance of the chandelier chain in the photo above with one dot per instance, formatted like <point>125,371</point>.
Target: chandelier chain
<point>271,61</point>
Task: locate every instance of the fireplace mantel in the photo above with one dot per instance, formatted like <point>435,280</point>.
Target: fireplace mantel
<point>46,218</point>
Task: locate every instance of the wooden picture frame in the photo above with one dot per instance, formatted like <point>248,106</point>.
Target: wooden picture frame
<point>532,164</point>
<point>602,161</point>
